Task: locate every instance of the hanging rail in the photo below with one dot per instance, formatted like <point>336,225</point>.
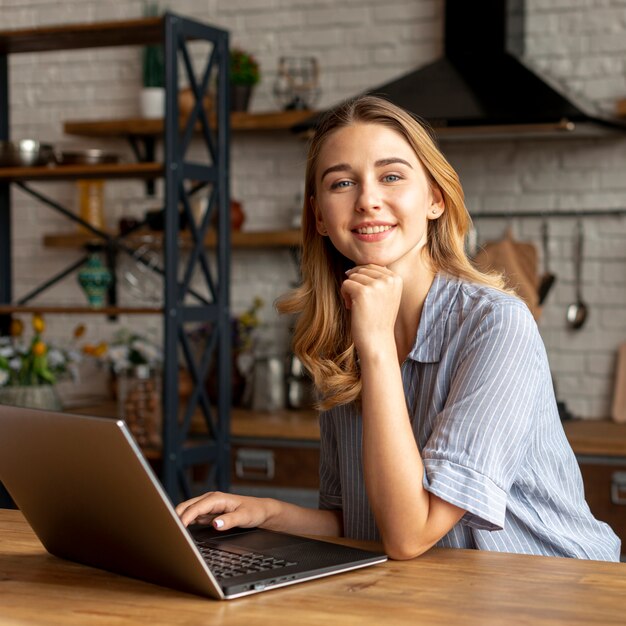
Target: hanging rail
<point>549,214</point>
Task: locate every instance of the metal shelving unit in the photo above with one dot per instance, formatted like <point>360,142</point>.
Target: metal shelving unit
<point>182,304</point>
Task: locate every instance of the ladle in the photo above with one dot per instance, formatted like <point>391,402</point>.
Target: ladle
<point>577,312</point>
<point>548,277</point>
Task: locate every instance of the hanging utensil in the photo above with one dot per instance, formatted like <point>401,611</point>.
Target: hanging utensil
<point>577,312</point>
<point>547,278</point>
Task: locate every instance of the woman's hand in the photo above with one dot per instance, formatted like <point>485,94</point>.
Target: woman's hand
<point>224,510</point>
<point>373,294</point>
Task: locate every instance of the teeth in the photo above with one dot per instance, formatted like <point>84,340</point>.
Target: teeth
<point>372,230</point>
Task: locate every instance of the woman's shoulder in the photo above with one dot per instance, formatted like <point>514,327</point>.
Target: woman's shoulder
<point>478,307</point>
<point>484,299</point>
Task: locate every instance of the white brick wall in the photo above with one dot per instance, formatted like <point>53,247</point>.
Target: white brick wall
<point>360,43</point>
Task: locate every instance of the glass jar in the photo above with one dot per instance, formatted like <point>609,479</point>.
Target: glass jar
<point>91,204</point>
<point>139,403</point>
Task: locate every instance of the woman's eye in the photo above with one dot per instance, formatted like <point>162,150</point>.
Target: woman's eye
<point>341,184</point>
<point>391,178</point>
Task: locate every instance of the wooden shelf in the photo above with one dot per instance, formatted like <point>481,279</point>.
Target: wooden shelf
<point>266,121</point>
<point>75,36</point>
<point>272,120</point>
<point>74,172</point>
<point>80,310</point>
<point>271,239</point>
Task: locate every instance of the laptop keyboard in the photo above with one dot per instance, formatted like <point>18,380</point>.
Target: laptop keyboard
<point>228,564</point>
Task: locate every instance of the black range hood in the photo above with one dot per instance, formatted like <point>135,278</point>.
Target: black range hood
<point>482,87</point>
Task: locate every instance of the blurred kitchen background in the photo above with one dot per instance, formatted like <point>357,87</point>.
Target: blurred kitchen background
<point>579,45</point>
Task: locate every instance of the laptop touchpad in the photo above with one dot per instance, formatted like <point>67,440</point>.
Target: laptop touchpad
<point>260,540</point>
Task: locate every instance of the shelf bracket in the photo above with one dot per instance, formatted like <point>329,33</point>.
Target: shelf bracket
<point>144,149</point>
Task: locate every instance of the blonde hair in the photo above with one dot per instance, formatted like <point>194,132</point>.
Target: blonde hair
<point>322,338</point>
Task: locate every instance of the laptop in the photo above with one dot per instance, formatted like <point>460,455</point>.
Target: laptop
<point>84,486</point>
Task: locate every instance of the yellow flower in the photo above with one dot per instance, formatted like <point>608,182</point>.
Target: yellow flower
<point>17,328</point>
<point>38,324</point>
<point>95,350</point>
<point>39,348</point>
<point>100,349</point>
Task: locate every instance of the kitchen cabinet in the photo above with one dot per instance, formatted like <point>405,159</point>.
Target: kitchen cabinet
<point>600,447</point>
<point>276,454</point>
<point>181,304</point>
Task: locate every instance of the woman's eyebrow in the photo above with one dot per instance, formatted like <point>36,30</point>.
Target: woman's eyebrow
<point>340,167</point>
<point>344,167</point>
<point>391,161</point>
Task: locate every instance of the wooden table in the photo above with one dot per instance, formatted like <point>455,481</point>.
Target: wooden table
<point>441,587</point>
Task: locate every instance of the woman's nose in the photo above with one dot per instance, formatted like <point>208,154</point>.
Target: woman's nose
<point>368,198</point>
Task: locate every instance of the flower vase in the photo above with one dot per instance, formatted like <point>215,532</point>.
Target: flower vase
<point>94,277</point>
<point>139,403</point>
<point>31,396</point>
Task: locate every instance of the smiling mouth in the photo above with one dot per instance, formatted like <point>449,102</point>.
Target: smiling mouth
<point>372,230</point>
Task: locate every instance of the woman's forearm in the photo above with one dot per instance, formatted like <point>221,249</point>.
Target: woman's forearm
<point>287,517</point>
<point>393,467</point>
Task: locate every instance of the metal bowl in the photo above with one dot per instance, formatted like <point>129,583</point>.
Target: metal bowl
<point>92,156</point>
<point>25,153</point>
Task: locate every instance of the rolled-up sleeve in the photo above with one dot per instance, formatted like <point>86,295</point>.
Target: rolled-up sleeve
<point>330,497</point>
<point>480,438</point>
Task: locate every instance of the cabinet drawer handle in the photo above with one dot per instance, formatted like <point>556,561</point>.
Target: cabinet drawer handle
<point>618,488</point>
<point>251,464</point>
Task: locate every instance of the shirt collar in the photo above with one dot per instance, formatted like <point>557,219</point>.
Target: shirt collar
<point>434,318</point>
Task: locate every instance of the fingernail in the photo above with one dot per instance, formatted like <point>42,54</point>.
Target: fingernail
<point>218,523</point>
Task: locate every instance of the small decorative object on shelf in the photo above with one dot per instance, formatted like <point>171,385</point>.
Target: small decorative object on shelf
<point>152,97</point>
<point>300,389</point>
<point>94,277</point>
<point>297,83</point>
<point>139,403</point>
<point>30,369</point>
<point>244,75</point>
<point>237,215</point>
<point>91,204</point>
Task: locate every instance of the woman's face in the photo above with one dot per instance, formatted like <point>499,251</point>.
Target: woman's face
<point>373,198</point>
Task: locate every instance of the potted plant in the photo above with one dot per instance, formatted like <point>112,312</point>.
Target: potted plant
<point>29,369</point>
<point>152,97</point>
<point>244,75</point>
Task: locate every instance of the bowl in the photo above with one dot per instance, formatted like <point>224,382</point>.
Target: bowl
<point>91,156</point>
<point>25,153</point>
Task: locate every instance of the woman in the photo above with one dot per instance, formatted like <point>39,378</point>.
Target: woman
<point>439,423</point>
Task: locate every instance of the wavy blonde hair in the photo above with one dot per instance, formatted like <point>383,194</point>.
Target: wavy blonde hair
<point>322,338</point>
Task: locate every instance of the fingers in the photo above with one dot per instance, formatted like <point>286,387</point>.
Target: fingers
<point>202,509</point>
<point>373,271</point>
<point>223,511</point>
<point>368,276</point>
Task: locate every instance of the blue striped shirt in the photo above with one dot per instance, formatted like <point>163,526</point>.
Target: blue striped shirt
<point>481,402</point>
